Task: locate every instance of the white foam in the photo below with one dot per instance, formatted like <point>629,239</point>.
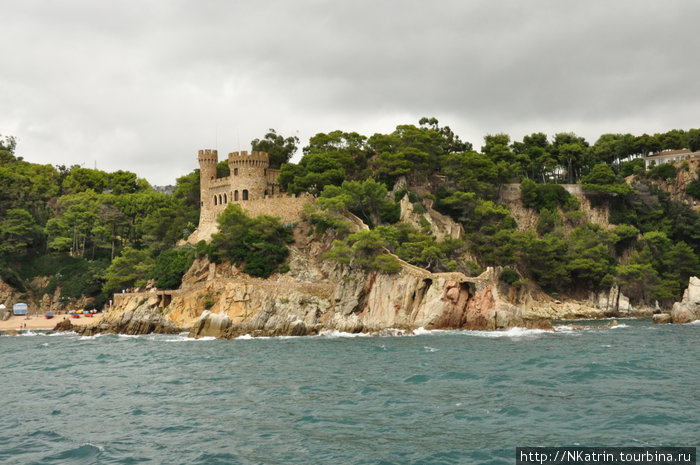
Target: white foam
<point>694,323</point>
<point>336,333</point>
<point>564,329</point>
<point>245,336</point>
<point>63,333</point>
<point>515,332</point>
<point>423,332</point>
<point>31,333</point>
<point>430,349</point>
<point>621,325</point>
<point>98,447</point>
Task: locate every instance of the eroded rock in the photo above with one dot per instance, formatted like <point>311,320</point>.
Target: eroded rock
<point>688,309</point>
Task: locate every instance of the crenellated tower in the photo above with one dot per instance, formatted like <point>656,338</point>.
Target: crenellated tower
<point>208,159</point>
<point>248,175</point>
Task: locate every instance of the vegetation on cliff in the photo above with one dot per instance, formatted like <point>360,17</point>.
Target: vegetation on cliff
<point>94,233</point>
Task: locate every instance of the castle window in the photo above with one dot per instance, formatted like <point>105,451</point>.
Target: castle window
<point>214,200</point>
<point>235,196</point>
<point>245,194</point>
<point>265,171</point>
<point>265,192</point>
<point>225,199</point>
<point>235,171</point>
<point>220,202</point>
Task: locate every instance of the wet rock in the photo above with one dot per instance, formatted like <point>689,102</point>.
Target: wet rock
<point>64,325</point>
<point>661,318</point>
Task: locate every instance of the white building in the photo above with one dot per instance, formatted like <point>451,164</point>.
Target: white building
<point>669,156</point>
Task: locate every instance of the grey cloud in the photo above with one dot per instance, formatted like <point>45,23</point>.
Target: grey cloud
<point>143,85</point>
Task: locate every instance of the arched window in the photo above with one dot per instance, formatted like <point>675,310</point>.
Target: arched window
<point>220,202</point>
<point>245,194</point>
<point>214,200</point>
<point>235,171</point>
<point>265,172</point>
<point>265,192</point>
<point>235,196</point>
<point>225,199</point>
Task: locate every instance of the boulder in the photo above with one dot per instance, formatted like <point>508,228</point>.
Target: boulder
<point>661,318</point>
<point>688,309</point>
<point>210,325</point>
<point>64,325</point>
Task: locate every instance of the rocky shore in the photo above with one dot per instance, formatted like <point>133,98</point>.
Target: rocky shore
<point>218,301</point>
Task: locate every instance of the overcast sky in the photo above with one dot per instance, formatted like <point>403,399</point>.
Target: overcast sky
<point>142,85</point>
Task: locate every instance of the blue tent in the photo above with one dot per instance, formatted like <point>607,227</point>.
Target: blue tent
<point>19,309</point>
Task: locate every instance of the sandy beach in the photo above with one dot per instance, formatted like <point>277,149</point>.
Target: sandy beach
<point>40,322</point>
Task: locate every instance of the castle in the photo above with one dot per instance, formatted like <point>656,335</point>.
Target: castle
<point>251,183</point>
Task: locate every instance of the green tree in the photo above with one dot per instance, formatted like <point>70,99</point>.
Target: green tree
<point>84,179</point>
<point>472,172</point>
<point>365,250</point>
<point>128,269</point>
<point>259,244</point>
<point>367,199</point>
<point>279,148</point>
<point>18,233</point>
<point>570,149</point>
<point>170,266</point>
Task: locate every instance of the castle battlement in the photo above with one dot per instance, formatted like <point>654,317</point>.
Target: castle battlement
<point>255,158</point>
<point>208,157</point>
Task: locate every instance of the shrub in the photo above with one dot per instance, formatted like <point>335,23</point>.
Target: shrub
<point>258,243</point>
<point>509,276</point>
<point>663,171</point>
<point>546,196</point>
<point>693,189</point>
<point>171,265</point>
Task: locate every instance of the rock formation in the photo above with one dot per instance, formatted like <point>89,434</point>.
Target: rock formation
<point>145,319</point>
<point>688,309</point>
<point>64,326</point>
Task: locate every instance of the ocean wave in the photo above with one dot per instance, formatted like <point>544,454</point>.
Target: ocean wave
<point>694,323</point>
<point>334,333</point>
<point>30,333</point>
<point>425,332</point>
<point>515,332</point>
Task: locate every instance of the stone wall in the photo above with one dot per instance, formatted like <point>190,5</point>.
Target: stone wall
<point>288,208</point>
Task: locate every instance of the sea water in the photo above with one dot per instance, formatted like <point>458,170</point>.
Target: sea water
<point>438,397</point>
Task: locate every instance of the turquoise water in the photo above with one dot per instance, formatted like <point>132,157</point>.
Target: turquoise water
<point>440,397</point>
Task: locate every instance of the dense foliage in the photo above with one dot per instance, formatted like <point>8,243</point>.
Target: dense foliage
<point>93,233</point>
<point>259,244</point>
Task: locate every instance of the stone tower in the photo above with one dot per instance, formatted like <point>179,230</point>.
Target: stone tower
<point>248,175</point>
<point>208,160</point>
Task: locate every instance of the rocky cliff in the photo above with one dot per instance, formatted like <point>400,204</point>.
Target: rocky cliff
<point>686,172</point>
<point>316,295</point>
